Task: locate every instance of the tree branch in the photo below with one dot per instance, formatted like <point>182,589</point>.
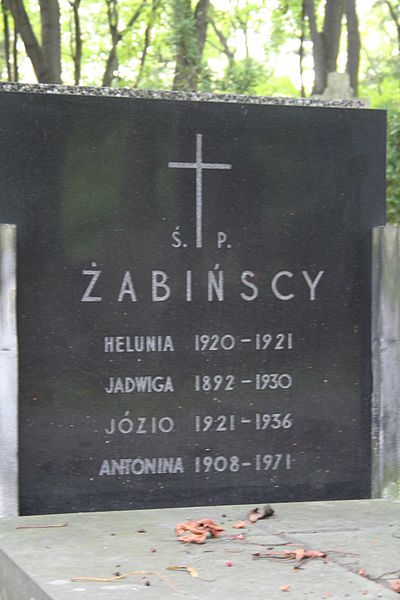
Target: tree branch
<point>395,18</point>
<point>134,17</point>
<point>116,37</point>
<point>25,30</point>
<point>224,42</point>
<point>147,38</point>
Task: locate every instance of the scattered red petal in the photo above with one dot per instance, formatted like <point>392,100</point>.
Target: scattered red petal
<point>395,585</point>
<point>239,525</point>
<point>285,588</point>
<point>228,563</point>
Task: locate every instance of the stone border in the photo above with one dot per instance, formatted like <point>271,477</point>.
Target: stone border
<point>8,374</point>
<point>386,362</point>
<point>170,95</point>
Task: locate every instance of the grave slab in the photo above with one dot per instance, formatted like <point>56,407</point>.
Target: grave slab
<point>40,563</point>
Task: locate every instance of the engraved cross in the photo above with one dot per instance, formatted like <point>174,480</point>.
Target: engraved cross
<point>199,165</point>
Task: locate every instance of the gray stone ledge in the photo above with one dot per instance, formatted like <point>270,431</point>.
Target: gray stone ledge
<point>169,95</point>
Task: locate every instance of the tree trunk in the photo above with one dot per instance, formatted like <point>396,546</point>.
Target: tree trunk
<point>353,44</point>
<point>301,50</point>
<point>77,51</point>
<point>319,53</point>
<point>331,32</point>
<point>190,32</point>
<point>326,43</point>
<point>201,20</point>
<point>111,65</point>
<point>112,60</point>
<point>15,54</point>
<point>51,39</point>
<point>6,40</point>
<point>46,59</point>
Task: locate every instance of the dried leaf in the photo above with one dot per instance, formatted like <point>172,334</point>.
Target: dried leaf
<point>362,572</point>
<point>239,525</point>
<point>124,576</point>
<point>255,514</point>
<point>41,526</point>
<point>395,585</point>
<point>285,588</point>
<point>189,570</point>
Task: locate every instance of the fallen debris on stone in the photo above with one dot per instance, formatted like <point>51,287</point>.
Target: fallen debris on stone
<point>298,555</point>
<point>198,530</point>
<point>255,514</point>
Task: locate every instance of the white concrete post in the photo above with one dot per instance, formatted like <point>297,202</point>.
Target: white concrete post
<point>8,374</point>
<point>386,362</point>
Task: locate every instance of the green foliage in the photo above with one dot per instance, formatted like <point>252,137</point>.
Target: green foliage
<point>286,23</point>
<point>150,48</point>
<point>243,77</point>
<point>393,168</point>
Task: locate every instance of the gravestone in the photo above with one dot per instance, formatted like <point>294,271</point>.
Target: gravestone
<point>193,297</point>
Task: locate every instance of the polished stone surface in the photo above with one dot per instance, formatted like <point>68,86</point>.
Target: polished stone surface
<point>231,239</point>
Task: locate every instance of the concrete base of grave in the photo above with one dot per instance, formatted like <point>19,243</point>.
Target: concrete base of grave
<point>42,560</point>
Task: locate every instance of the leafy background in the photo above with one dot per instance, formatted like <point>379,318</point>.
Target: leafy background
<point>264,47</point>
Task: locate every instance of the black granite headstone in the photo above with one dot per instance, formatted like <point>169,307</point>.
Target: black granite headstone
<point>193,299</point>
